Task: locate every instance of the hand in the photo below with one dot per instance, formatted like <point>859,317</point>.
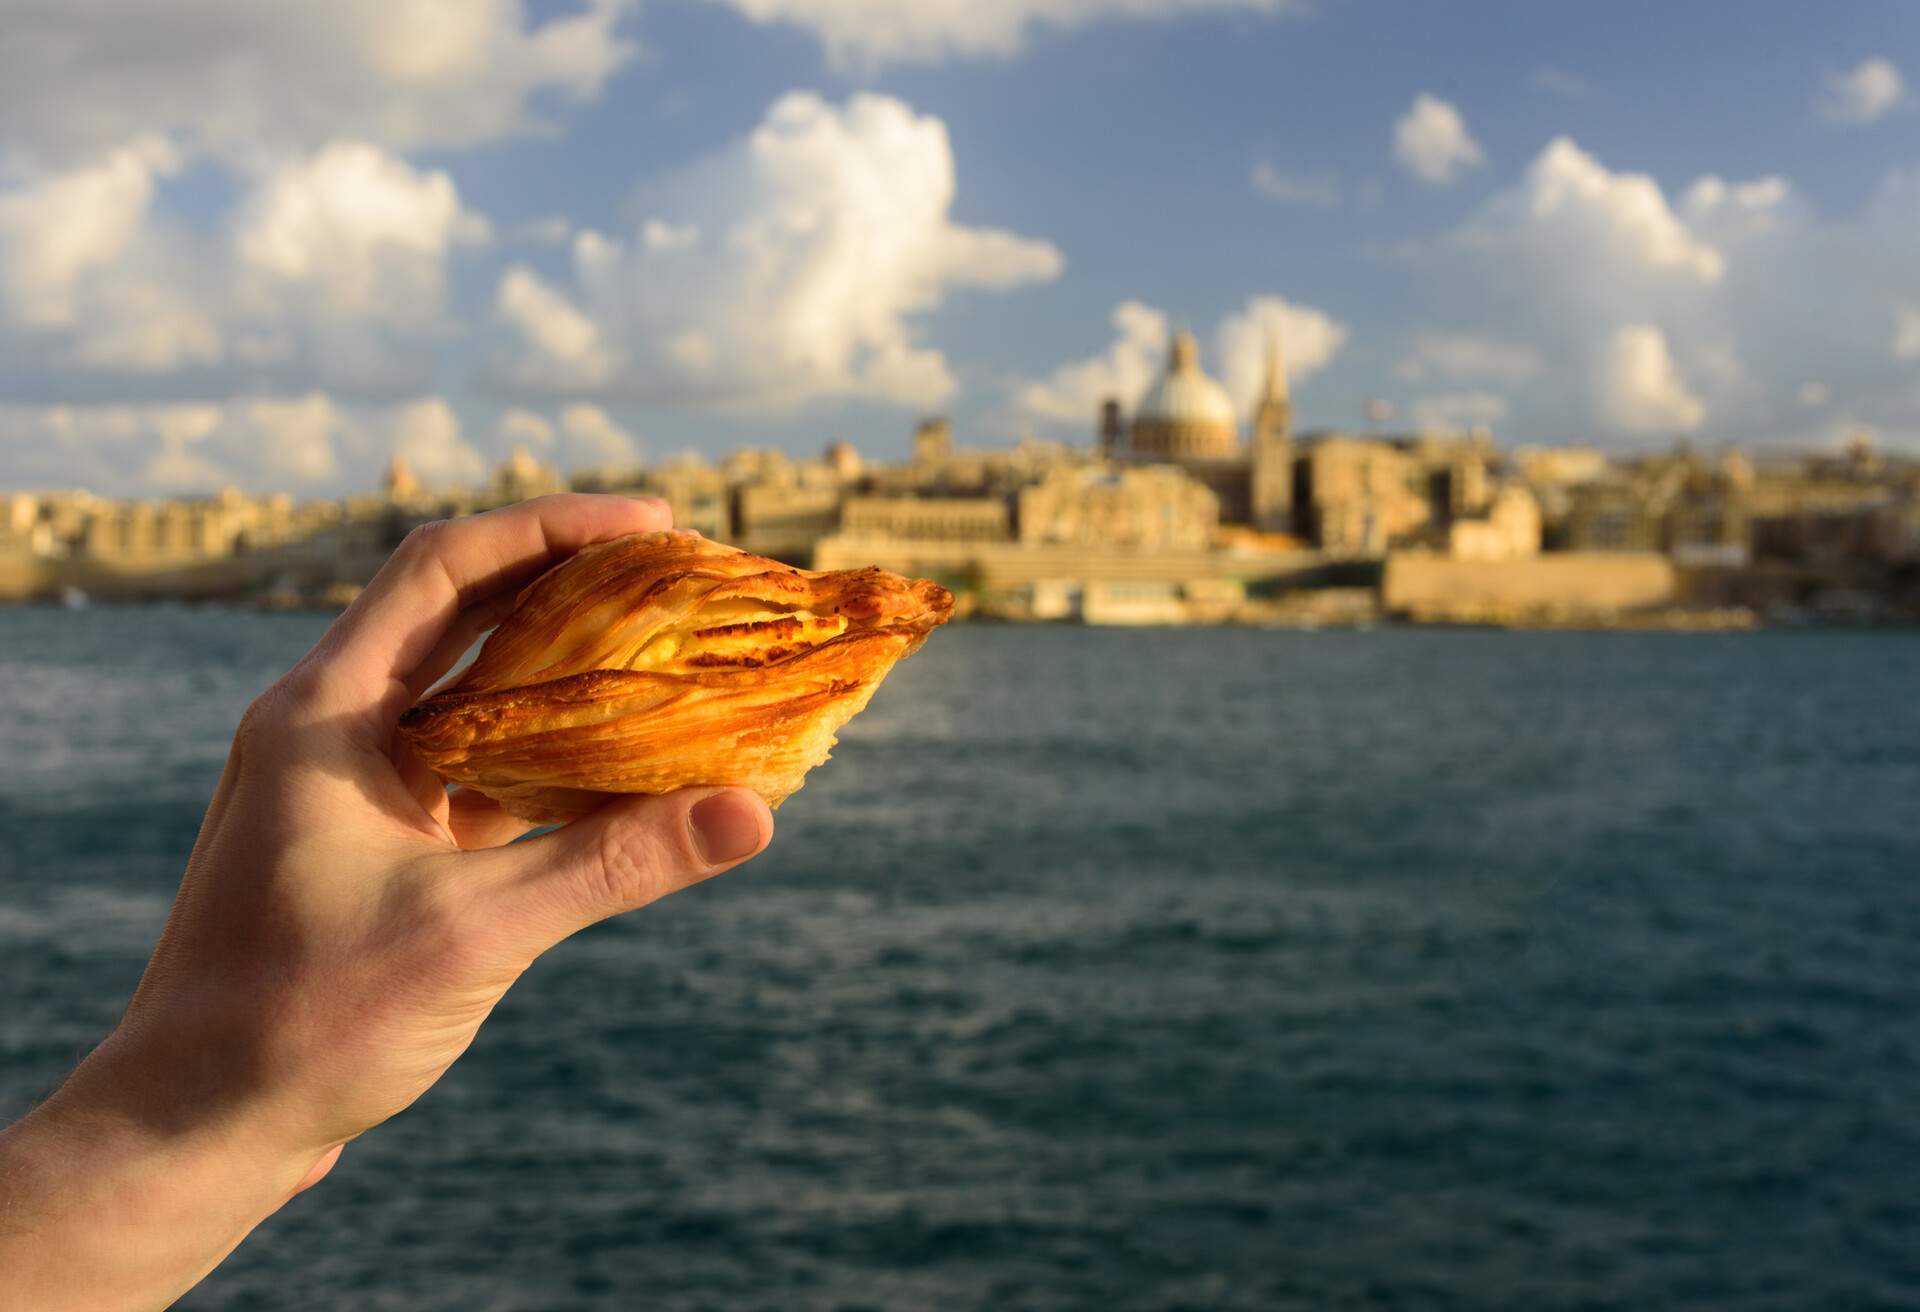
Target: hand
<point>343,928</point>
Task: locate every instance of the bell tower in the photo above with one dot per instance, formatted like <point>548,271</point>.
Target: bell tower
<point>1273,447</point>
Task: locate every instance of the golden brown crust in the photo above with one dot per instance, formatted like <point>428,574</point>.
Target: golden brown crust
<point>662,660</point>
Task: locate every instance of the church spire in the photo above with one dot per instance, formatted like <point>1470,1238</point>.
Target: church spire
<point>1273,417</point>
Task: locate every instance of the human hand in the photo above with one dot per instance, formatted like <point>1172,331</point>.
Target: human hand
<point>343,928</point>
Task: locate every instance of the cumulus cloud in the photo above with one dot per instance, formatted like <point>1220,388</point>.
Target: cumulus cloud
<point>1432,141</point>
<point>238,79</point>
<point>1751,289</point>
<point>1906,332</point>
<point>1292,189</point>
<point>523,428</point>
<point>1640,387</point>
<point>1571,207</point>
<point>561,346</point>
<point>1722,212</point>
<point>1540,279</point>
<point>793,265</point>
<point>363,234</point>
<point>258,443</point>
<point>868,33</point>
<point>1460,357</point>
<point>1309,338</point>
<point>585,436</point>
<point>327,267</point>
<point>87,276</point>
<point>1071,394</point>
<point>592,438</point>
<point>426,434</point>
<point>1869,90</point>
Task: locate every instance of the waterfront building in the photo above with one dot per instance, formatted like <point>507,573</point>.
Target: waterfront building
<point>1357,496</point>
<point>933,519</point>
<point>1510,528</point>
<point>1152,508</point>
<point>1695,510</point>
<point>1187,420</point>
<point>520,478</point>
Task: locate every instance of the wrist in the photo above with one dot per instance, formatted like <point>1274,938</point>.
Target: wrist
<point>114,1193</point>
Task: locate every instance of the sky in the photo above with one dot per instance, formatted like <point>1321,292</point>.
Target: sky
<point>273,245</point>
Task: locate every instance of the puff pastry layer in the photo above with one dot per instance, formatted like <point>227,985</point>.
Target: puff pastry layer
<point>661,660</point>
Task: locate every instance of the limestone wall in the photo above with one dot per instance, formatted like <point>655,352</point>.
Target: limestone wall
<point>1586,581</point>
<point>1007,564</point>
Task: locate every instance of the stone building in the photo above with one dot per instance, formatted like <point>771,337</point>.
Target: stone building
<point>1187,420</point>
<point>1153,508</point>
<point>1508,530</point>
<point>1695,510</point>
<point>911,519</point>
<point>520,477</point>
<point>1358,496</point>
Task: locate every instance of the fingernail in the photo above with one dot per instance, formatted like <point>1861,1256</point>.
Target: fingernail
<point>726,827</point>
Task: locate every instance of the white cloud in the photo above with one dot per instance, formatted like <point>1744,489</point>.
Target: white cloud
<point>1432,141</point>
<point>1812,395</point>
<point>594,439</point>
<point>872,32</point>
<point>1752,291</point>
<point>56,229</point>
<point>1309,339</point>
<point>184,447</point>
<point>524,428</point>
<point>237,78</point>
<point>1459,357</point>
<point>363,234</point>
<point>562,345</point>
<point>1869,90</point>
<point>797,263</point>
<point>1727,213</point>
<point>1072,394</point>
<point>586,436</point>
<point>1906,332</point>
<point>1457,411</point>
<point>426,434</point>
<point>1292,189</point>
<point>87,276</point>
<point>1640,388</point>
<point>326,271</point>
<point>1571,218</point>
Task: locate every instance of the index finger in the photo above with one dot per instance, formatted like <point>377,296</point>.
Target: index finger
<point>442,568</point>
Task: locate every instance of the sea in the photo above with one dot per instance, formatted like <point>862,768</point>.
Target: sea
<point>1104,969</point>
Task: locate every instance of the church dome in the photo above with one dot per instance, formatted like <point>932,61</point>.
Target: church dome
<point>1185,415</point>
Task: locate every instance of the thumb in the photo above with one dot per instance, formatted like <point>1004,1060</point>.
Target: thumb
<point>630,852</point>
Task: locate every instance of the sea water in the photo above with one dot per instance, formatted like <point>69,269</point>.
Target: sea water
<point>1104,969</point>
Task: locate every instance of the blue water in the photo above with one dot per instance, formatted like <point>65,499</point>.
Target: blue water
<point>1207,969</point>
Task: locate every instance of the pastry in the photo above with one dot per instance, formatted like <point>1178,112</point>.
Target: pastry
<point>660,660</point>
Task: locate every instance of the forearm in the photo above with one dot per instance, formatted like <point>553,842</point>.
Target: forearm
<point>104,1206</point>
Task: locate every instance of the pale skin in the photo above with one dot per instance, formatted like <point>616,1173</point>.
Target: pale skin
<point>343,928</point>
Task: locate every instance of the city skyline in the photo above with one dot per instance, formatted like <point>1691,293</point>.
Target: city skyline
<point>273,251</point>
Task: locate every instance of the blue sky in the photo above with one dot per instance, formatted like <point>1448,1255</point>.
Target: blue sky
<point>274,248</point>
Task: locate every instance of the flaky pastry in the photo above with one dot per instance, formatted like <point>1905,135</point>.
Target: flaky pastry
<point>661,660</point>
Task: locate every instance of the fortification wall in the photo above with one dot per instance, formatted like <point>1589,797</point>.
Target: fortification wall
<point>1417,582</point>
<point>23,576</point>
<point>1007,564</point>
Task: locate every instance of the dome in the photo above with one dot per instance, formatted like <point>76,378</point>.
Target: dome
<point>1185,414</point>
